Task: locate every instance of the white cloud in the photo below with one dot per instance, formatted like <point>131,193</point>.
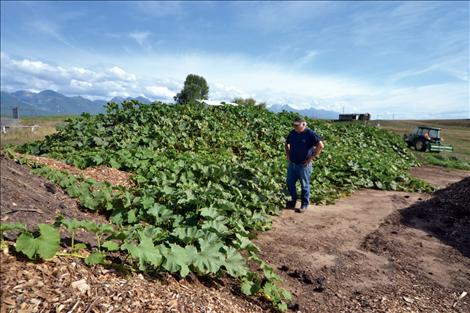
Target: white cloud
<point>140,37</point>
<point>83,73</point>
<point>160,92</point>
<point>38,75</point>
<point>431,101</point>
<point>80,84</point>
<point>231,76</point>
<point>122,74</point>
<point>221,92</point>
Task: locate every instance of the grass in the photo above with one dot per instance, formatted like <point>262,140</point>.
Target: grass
<point>47,125</point>
<point>445,159</point>
<point>454,132</point>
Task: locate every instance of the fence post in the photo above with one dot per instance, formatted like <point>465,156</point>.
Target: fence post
<point>16,113</point>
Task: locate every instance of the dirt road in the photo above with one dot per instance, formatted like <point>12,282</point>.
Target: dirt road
<point>362,255</point>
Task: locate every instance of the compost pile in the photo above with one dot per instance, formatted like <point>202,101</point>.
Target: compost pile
<point>446,215</point>
<point>205,179</point>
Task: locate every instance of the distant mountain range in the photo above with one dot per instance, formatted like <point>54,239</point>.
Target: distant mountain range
<point>311,112</point>
<point>49,102</point>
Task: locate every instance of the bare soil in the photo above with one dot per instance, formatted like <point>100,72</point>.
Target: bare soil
<point>374,251</point>
<point>31,199</point>
<point>378,251</point>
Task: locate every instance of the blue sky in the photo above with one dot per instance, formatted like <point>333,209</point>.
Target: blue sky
<point>407,59</point>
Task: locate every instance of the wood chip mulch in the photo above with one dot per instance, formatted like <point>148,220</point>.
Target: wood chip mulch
<point>64,284</point>
<point>98,173</point>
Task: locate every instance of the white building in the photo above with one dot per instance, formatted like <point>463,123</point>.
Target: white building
<point>215,102</point>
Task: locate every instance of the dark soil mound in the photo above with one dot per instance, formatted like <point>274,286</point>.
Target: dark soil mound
<point>446,216</point>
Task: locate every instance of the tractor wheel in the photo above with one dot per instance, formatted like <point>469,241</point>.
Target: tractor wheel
<point>420,145</point>
<point>405,138</point>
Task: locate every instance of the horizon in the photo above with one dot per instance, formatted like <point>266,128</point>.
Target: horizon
<point>149,99</point>
<point>373,118</point>
<point>403,59</point>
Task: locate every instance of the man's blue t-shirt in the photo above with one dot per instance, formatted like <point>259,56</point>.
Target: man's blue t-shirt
<point>302,145</point>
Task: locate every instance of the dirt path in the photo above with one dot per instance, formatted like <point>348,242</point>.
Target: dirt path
<point>359,255</point>
<point>438,176</point>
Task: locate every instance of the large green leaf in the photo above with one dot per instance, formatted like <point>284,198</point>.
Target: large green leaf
<point>96,257</point>
<point>145,252</point>
<point>26,244</point>
<point>209,259</point>
<point>44,246</point>
<point>234,263</point>
<point>178,259</point>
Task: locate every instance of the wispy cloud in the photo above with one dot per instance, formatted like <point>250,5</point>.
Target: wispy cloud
<point>51,29</point>
<point>159,8</point>
<point>451,66</point>
<point>283,16</point>
<point>307,58</point>
<point>140,37</point>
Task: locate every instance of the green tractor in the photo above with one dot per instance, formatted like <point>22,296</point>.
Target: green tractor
<point>426,138</point>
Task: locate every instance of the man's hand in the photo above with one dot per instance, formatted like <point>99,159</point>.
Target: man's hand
<point>318,148</point>
<point>307,162</point>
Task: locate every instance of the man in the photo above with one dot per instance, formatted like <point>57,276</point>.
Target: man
<point>303,145</point>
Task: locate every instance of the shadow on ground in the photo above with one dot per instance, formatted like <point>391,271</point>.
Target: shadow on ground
<point>446,216</point>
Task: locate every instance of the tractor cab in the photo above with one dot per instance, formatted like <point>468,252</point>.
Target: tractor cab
<point>431,133</point>
<point>426,138</point>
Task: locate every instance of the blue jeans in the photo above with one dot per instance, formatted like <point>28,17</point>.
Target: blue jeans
<point>299,172</point>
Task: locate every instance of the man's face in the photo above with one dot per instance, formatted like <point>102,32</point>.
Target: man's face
<point>299,126</point>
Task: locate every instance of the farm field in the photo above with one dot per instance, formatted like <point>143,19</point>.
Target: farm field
<point>194,196</point>
<point>47,126</point>
<point>454,132</point>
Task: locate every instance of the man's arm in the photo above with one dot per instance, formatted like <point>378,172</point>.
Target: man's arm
<point>318,149</point>
<point>287,147</point>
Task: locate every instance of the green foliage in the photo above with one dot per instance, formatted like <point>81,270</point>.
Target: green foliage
<point>145,252</point>
<point>44,246</point>
<point>209,258</point>
<point>96,257</point>
<point>249,101</point>
<point>177,258</point>
<point>195,88</point>
<point>234,263</point>
<point>4,227</point>
<point>444,159</point>
<point>205,183</point>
